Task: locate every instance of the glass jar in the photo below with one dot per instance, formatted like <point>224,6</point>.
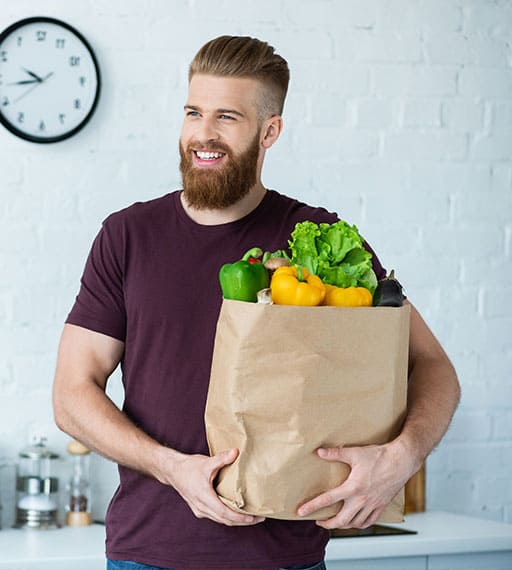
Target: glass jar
<point>37,497</point>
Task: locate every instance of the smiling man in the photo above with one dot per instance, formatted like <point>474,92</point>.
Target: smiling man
<point>150,298</point>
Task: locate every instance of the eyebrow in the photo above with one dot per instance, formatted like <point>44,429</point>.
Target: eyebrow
<point>230,111</point>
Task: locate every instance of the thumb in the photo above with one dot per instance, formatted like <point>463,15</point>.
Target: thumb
<point>334,453</point>
<point>224,458</point>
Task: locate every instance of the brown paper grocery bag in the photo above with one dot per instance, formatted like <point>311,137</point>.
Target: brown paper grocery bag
<point>286,380</point>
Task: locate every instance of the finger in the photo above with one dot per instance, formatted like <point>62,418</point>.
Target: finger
<point>221,459</point>
<point>246,522</point>
<point>219,512</point>
<point>363,519</point>
<point>210,505</point>
<point>344,519</point>
<point>343,492</point>
<point>230,516</point>
<point>324,500</point>
<point>343,454</point>
<point>370,520</point>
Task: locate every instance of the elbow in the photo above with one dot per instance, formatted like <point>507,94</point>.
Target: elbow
<point>453,381</point>
<point>61,414</point>
<point>60,418</point>
<point>457,388</point>
<point>451,375</point>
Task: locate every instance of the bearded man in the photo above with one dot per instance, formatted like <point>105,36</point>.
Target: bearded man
<point>150,299</point>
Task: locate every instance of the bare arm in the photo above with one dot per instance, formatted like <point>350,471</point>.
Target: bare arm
<point>82,409</point>
<point>433,393</point>
<point>378,472</point>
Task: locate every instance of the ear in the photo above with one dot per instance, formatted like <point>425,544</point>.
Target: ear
<point>271,130</point>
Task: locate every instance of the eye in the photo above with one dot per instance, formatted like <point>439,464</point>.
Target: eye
<point>227,117</point>
<point>192,114</point>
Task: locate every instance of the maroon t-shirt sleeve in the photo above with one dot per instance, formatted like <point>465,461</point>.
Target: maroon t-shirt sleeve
<point>99,305</point>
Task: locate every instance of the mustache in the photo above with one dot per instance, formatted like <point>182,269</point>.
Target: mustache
<point>209,146</point>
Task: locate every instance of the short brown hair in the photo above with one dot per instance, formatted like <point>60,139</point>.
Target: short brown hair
<point>243,56</point>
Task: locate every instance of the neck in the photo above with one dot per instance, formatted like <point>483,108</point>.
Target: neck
<point>225,215</point>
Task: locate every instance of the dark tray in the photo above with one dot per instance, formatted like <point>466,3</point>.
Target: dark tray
<point>374,530</point>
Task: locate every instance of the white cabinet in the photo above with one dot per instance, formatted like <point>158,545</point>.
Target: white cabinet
<point>403,563</point>
<point>474,561</point>
<point>478,561</point>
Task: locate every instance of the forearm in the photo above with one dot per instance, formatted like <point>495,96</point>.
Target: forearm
<point>89,415</point>
<point>82,409</point>
<point>433,396</point>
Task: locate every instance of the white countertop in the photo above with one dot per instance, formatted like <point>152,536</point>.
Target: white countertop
<point>438,533</point>
<point>62,544</point>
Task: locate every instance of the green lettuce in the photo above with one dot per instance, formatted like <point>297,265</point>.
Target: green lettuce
<point>334,252</point>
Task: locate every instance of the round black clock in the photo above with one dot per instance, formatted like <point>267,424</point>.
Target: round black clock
<point>49,80</point>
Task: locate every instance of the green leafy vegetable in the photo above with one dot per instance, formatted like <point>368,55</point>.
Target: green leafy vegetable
<point>303,245</point>
<point>334,252</point>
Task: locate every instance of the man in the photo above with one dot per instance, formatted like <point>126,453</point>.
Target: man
<point>150,298</point>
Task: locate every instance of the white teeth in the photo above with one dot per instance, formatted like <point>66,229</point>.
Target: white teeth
<point>208,155</point>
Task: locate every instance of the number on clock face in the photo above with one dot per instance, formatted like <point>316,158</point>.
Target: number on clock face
<point>49,80</point>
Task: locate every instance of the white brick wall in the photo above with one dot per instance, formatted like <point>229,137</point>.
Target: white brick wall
<point>399,117</point>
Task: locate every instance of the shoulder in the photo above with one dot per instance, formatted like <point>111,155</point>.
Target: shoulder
<point>140,213</point>
<point>135,225</point>
<point>298,211</point>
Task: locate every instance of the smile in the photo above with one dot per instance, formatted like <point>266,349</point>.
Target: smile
<point>204,155</point>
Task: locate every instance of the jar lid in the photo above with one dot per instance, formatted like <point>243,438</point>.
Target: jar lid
<point>38,451</point>
<point>77,448</point>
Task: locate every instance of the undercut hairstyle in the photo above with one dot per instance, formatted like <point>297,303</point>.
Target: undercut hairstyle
<point>246,57</point>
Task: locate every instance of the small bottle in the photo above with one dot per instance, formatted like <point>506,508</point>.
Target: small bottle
<point>78,508</point>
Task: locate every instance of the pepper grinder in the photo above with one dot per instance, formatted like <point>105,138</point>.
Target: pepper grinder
<point>78,508</point>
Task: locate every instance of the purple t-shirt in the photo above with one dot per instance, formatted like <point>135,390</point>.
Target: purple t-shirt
<point>151,281</point>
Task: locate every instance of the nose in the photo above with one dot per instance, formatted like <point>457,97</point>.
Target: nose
<point>207,131</point>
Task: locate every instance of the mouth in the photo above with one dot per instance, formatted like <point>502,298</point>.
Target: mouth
<point>207,158</point>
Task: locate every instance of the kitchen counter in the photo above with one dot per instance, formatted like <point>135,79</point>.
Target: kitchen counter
<point>443,542</point>
<point>76,548</point>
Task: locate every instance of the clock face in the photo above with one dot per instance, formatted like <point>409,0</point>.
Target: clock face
<point>49,80</point>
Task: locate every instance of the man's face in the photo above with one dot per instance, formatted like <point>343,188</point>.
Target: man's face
<point>220,141</point>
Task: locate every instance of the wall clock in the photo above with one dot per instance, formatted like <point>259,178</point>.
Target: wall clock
<point>49,80</point>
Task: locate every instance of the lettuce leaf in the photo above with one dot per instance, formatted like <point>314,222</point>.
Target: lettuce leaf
<point>303,245</point>
<point>334,252</point>
<point>340,239</point>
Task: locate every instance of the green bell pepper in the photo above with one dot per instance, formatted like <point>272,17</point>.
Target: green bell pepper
<point>243,279</point>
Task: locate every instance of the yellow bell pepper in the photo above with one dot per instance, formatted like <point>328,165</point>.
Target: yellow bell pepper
<point>347,296</point>
<point>293,285</point>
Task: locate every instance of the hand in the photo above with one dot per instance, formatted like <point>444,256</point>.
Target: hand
<point>378,472</point>
<point>193,475</point>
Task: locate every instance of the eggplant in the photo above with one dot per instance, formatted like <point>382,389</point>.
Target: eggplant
<point>389,292</point>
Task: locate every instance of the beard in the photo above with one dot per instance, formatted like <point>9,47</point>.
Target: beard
<point>218,188</point>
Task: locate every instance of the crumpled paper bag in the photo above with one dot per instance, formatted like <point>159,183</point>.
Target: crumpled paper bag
<point>286,380</point>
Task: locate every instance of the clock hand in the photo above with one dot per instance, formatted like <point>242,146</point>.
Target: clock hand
<point>26,92</point>
<point>24,82</point>
<point>33,87</point>
<point>32,74</point>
